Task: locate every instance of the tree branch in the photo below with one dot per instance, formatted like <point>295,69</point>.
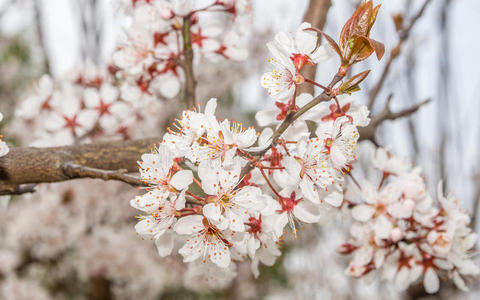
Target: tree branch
<point>394,53</point>
<point>292,116</point>
<point>316,15</point>
<point>77,171</point>
<point>368,132</point>
<point>187,64</point>
<point>31,165</point>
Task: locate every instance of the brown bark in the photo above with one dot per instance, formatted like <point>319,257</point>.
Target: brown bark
<point>316,15</point>
<point>35,165</point>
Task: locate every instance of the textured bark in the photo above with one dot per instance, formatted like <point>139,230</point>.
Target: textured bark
<point>35,165</point>
<point>316,15</point>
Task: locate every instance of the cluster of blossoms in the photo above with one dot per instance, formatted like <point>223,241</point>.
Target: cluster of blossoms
<point>153,56</point>
<point>86,105</point>
<point>3,146</point>
<point>232,190</point>
<point>400,232</point>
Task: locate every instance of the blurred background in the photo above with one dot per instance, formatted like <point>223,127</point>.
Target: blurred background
<point>76,240</point>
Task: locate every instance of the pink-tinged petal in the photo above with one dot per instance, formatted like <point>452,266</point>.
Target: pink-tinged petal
<point>182,179</point>
<point>431,281</point>
<point>164,244</point>
<point>363,212</point>
<point>189,225</point>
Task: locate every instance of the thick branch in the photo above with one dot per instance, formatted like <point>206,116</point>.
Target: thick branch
<point>403,36</point>
<point>36,165</point>
<point>368,133</point>
<point>316,15</point>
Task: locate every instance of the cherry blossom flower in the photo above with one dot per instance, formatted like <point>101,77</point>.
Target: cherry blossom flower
<point>388,163</point>
<point>282,81</point>
<point>228,207</point>
<point>340,138</point>
<point>205,241</point>
<point>400,232</point>
<point>303,49</point>
<point>313,171</point>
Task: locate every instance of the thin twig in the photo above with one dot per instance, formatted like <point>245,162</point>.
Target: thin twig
<point>368,132</point>
<point>19,190</point>
<point>73,170</point>
<point>403,35</point>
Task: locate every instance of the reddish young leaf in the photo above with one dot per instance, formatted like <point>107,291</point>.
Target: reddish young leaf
<point>358,50</point>
<point>351,84</point>
<point>329,40</point>
<point>355,43</point>
<point>378,47</point>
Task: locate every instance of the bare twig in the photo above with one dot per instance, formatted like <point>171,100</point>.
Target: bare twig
<point>368,133</point>
<point>403,36</point>
<point>291,117</point>
<point>77,171</point>
<point>316,15</point>
<point>20,190</point>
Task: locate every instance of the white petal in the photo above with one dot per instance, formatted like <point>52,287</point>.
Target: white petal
<point>309,190</point>
<point>213,212</point>
<point>182,179</point>
<point>431,281</point>
<point>307,212</point>
<point>164,244</point>
<point>306,41</point>
<point>459,282</point>
<point>189,224</point>
<point>362,212</point>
